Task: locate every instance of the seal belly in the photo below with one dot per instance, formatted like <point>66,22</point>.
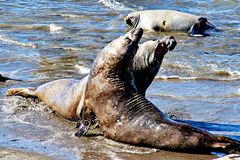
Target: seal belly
<point>60,96</point>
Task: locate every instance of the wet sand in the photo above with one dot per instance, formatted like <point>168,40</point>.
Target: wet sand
<point>13,154</point>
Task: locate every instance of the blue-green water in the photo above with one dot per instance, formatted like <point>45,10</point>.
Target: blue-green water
<point>199,81</point>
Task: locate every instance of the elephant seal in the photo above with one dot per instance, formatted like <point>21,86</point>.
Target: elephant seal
<point>66,96</point>
<point>126,116</point>
<point>169,20</point>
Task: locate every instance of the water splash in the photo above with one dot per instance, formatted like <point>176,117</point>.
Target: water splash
<point>55,28</point>
<point>82,69</point>
<point>115,5</point>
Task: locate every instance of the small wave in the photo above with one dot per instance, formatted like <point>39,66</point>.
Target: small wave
<point>174,77</point>
<point>70,15</point>
<point>24,27</point>
<point>212,74</point>
<point>115,5</point>
<point>220,73</point>
<point>68,48</point>
<point>82,69</point>
<point>14,104</point>
<point>227,74</point>
<point>6,39</point>
<point>55,28</point>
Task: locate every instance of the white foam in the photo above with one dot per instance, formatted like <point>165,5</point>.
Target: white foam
<point>55,28</point>
<point>82,69</point>
<point>115,5</point>
<point>224,73</point>
<point>174,77</point>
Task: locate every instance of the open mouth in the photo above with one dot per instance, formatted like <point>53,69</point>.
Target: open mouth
<point>161,48</point>
<point>170,42</point>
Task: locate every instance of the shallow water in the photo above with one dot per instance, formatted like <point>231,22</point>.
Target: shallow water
<point>199,81</point>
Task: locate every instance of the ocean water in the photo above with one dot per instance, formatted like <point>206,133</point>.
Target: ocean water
<point>40,41</point>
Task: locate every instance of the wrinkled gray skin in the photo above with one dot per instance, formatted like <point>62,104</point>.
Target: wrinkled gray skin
<point>124,115</point>
<point>66,96</point>
<point>169,20</point>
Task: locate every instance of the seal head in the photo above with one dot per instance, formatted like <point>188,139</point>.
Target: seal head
<point>148,60</point>
<point>132,19</point>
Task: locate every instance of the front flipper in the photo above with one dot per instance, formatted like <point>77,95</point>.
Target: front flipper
<point>198,28</point>
<point>25,92</point>
<point>83,126</point>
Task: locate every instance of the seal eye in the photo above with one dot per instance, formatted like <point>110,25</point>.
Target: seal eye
<point>128,40</point>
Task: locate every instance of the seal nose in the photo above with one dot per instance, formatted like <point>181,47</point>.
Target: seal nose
<point>170,42</point>
<point>137,34</point>
<point>128,21</point>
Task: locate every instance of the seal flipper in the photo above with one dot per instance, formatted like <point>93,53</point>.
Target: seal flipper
<point>25,92</point>
<point>198,28</point>
<point>87,120</point>
<point>227,145</point>
<point>83,126</point>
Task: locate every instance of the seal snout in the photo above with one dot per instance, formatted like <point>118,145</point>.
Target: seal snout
<point>170,42</point>
<point>132,20</point>
<point>128,21</point>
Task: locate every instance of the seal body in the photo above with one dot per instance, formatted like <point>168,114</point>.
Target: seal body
<point>66,96</point>
<point>168,20</point>
<point>124,115</point>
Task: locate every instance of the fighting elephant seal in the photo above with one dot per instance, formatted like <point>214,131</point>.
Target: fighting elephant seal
<point>66,96</point>
<point>124,115</point>
<point>169,20</point>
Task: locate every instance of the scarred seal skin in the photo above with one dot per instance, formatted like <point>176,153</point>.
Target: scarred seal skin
<point>124,115</point>
<point>169,20</point>
<point>66,96</point>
